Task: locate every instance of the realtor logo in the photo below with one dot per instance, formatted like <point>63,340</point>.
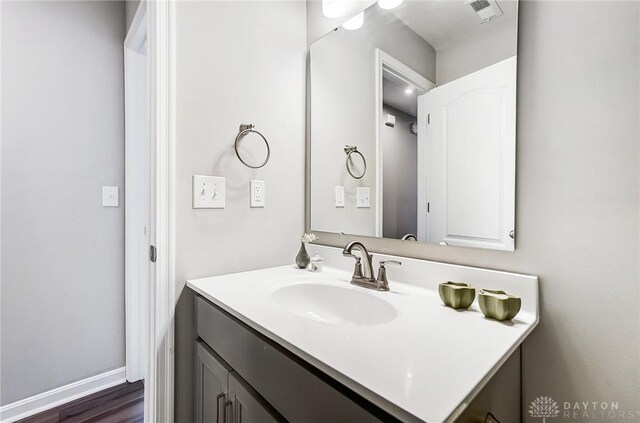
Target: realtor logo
<point>544,407</point>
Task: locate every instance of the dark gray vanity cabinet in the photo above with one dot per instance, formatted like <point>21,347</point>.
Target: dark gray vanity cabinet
<point>222,396</point>
<point>245,377</point>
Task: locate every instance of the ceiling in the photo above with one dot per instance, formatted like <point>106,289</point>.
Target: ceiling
<point>445,22</point>
<point>393,94</point>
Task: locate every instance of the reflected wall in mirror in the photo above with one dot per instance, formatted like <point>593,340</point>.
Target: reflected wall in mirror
<point>413,124</point>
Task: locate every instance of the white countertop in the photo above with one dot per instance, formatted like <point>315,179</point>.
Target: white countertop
<point>429,362</point>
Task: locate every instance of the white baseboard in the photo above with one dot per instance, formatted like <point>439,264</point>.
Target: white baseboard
<point>62,395</point>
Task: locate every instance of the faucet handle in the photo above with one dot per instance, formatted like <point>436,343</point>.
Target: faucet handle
<point>382,263</point>
<point>383,283</point>
<point>357,271</point>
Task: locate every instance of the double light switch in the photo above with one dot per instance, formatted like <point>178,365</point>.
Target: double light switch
<point>363,197</point>
<point>208,192</point>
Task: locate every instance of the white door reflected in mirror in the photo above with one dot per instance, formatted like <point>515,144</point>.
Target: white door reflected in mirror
<point>470,160</point>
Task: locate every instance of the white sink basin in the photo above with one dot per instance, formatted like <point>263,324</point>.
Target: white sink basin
<point>334,305</point>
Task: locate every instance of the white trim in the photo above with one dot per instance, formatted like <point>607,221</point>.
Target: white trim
<point>423,129</point>
<point>1,144</point>
<point>62,395</point>
<point>136,196</point>
<point>387,63</point>
<point>159,389</point>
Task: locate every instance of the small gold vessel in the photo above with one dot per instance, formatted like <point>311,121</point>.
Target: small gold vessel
<point>498,305</point>
<point>457,295</point>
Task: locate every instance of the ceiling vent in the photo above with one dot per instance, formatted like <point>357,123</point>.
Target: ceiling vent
<point>486,9</point>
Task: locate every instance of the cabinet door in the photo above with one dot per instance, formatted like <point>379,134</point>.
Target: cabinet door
<point>212,378</point>
<point>247,406</point>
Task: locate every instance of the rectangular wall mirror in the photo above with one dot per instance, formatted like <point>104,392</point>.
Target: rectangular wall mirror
<point>413,124</point>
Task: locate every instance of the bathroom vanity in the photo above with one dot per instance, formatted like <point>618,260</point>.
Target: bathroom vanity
<point>285,344</point>
<point>411,139</point>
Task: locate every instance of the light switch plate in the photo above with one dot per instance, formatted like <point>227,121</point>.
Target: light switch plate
<point>339,196</point>
<point>363,195</point>
<point>257,194</point>
<point>110,197</point>
<point>208,192</point>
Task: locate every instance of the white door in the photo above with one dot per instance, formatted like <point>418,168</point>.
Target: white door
<point>470,159</point>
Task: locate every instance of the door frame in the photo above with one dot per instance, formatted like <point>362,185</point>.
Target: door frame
<point>423,204</point>
<point>387,63</point>
<point>159,384</point>
<point>136,186</point>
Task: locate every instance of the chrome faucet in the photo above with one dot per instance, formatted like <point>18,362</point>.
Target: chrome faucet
<point>365,279</point>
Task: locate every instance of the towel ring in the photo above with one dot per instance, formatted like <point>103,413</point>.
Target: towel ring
<point>349,150</point>
<point>244,130</point>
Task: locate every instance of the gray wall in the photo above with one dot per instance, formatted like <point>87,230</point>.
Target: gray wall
<point>237,62</point>
<point>476,52</point>
<point>62,139</point>
<point>344,110</point>
<point>577,199</point>
<point>400,175</point>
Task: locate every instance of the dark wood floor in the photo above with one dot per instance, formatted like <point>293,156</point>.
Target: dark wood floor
<point>120,404</point>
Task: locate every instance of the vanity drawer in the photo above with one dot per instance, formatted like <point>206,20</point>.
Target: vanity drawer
<point>300,392</point>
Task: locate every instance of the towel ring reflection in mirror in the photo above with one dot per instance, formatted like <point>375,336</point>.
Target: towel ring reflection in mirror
<point>244,130</point>
<point>352,149</point>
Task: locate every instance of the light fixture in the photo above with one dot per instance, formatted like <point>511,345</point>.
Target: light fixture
<point>389,4</point>
<point>408,91</point>
<point>355,22</point>
<point>333,8</point>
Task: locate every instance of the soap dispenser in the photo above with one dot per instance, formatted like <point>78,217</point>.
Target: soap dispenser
<point>316,263</point>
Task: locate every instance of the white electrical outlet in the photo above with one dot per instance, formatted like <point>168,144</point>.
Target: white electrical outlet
<point>208,192</point>
<point>257,193</point>
<point>110,196</point>
<point>363,195</point>
<point>339,196</point>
